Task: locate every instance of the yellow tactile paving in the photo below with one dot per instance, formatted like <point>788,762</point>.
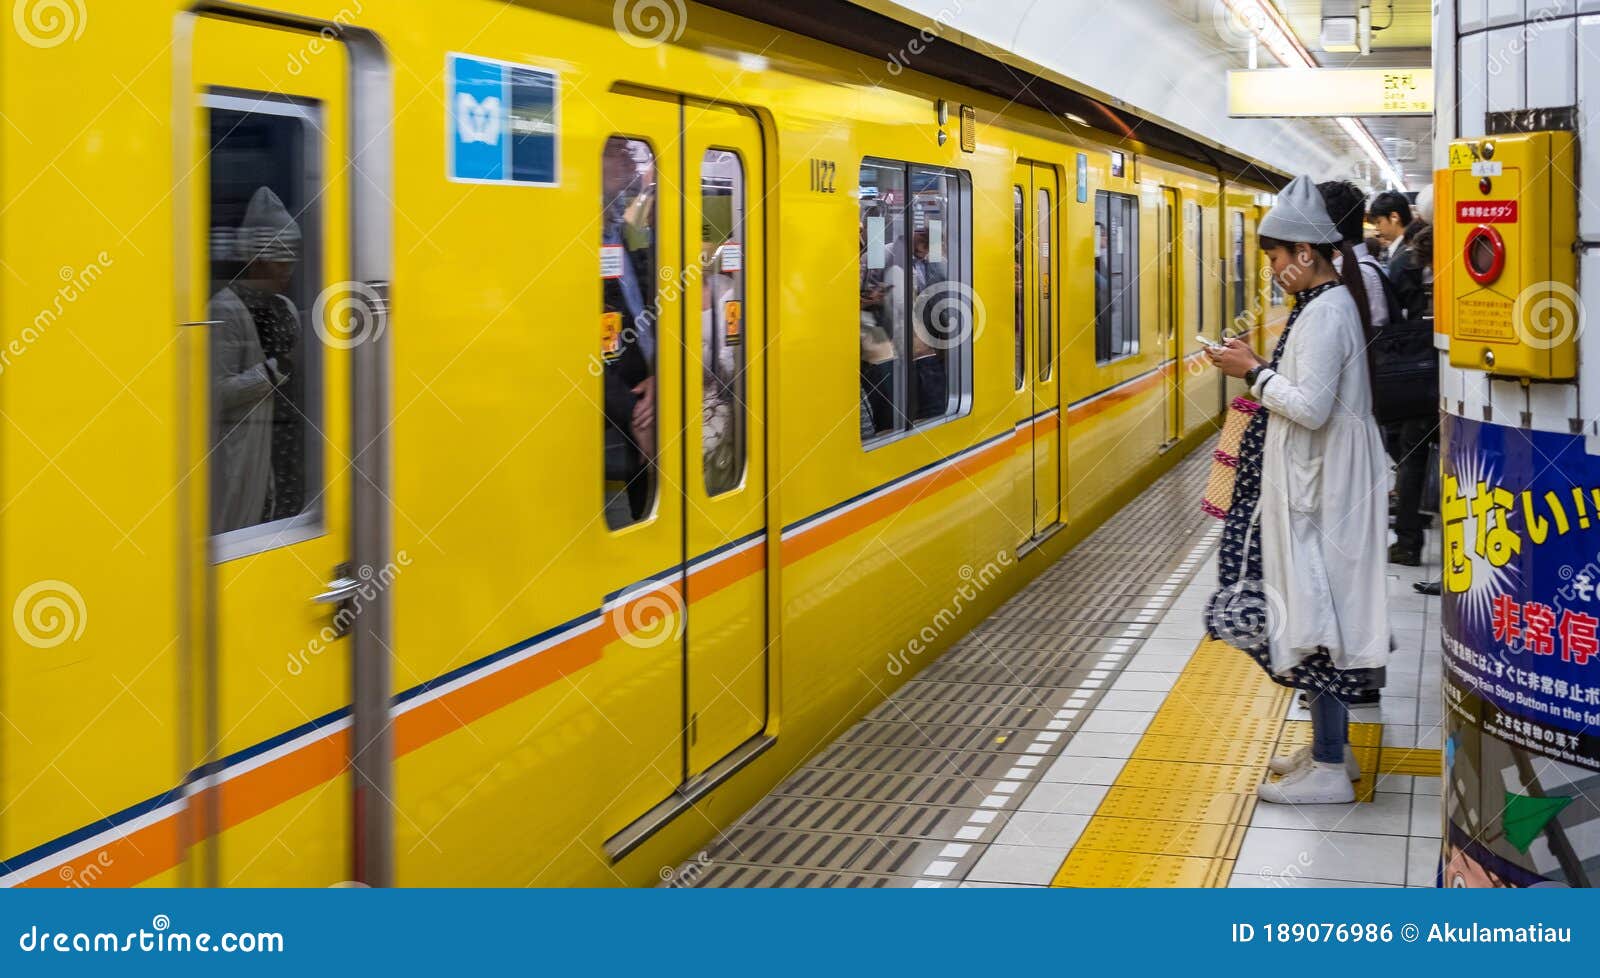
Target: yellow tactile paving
<point>1424,761</point>
<point>1183,806</point>
<point>1203,684</point>
<point>1095,867</point>
<point>1297,734</point>
<point>1178,777</point>
<point>1215,726</point>
<point>1200,748</point>
<point>1178,812</point>
<point>1267,705</point>
<point>1203,839</point>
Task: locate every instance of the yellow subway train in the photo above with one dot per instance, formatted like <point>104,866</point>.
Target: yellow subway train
<point>434,448</point>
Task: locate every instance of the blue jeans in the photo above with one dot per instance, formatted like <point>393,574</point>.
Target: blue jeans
<point>1330,728</point>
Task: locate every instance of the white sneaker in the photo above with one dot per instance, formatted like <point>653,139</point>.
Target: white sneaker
<point>1315,784</point>
<point>1285,764</point>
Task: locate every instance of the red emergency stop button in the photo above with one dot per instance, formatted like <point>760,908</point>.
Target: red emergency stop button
<point>1484,254</point>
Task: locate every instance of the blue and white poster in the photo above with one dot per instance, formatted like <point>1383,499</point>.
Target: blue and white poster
<point>1520,515</point>
<point>502,122</point>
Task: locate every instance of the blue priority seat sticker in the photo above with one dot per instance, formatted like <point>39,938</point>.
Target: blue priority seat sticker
<point>502,122</point>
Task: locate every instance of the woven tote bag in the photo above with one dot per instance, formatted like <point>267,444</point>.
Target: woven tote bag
<point>1218,496</point>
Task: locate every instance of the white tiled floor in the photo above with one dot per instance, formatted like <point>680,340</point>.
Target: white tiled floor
<point>1391,841</point>
<point>1031,864</point>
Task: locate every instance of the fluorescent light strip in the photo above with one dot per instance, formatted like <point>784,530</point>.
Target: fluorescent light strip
<point>1274,33</point>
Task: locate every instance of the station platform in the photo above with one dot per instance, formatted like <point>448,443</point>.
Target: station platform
<point>1087,735</point>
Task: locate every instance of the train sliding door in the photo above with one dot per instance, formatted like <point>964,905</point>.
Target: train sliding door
<point>696,632</point>
<point>270,257</point>
<point>1035,213</point>
<point>724,497</point>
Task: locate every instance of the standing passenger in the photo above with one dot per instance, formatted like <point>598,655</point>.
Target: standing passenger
<point>260,474</point>
<point>1302,553</point>
<point>629,293</point>
<point>1347,205</point>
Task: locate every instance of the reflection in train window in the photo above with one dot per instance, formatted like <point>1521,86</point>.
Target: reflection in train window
<point>1194,236</point>
<point>1240,313</point>
<point>1200,282</point>
<point>266,360</point>
<point>628,328</point>
<point>916,297</point>
<point>1020,324</point>
<point>722,348</point>
<point>1116,276</point>
<point>1042,223</point>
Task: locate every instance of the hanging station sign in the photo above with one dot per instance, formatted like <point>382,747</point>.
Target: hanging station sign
<point>1326,92</point>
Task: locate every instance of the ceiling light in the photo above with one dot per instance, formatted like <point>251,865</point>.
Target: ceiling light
<point>1340,34</point>
<point>1275,35</point>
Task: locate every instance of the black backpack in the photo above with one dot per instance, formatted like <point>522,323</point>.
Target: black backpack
<point>1391,295</point>
<point>1403,363</point>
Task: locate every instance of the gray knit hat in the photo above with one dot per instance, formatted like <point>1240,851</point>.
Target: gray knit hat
<point>1300,215</point>
<point>269,232</point>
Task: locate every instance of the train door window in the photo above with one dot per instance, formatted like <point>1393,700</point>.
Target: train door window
<point>940,306</point>
<point>1044,220</point>
<point>1200,287</point>
<point>1194,233</point>
<point>916,315</point>
<point>883,197</point>
<point>1239,311</point>
<point>628,328</point>
<point>1019,237</point>
<point>723,403</point>
<point>266,359</point>
<point>1116,276</point>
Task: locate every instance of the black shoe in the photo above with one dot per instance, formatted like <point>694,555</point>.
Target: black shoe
<point>1428,587</point>
<point>1405,556</point>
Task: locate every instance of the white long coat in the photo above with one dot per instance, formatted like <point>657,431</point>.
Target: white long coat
<point>242,406</point>
<point>1324,495</point>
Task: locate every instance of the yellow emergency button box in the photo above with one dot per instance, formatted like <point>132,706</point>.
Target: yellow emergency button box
<point>1508,240</point>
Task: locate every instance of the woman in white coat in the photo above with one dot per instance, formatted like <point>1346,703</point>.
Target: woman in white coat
<point>1302,562</point>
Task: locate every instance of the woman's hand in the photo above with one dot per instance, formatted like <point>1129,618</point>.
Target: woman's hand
<point>1235,359</point>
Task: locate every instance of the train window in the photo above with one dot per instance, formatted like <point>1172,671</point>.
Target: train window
<point>1194,232</point>
<point>1044,221</point>
<point>628,328</point>
<point>1116,276</point>
<point>1020,324</point>
<point>883,196</point>
<point>916,308</point>
<point>266,359</point>
<point>1200,288</point>
<point>722,350</point>
<point>1240,313</point>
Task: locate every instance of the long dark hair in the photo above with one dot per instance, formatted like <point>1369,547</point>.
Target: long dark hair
<point>1350,278</point>
<point>1349,274</point>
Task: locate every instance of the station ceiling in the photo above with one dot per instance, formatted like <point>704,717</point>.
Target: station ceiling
<point>1410,25</point>
<point>1405,40</point>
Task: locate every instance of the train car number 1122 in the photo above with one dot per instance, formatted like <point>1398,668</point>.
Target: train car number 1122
<point>822,172</point>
